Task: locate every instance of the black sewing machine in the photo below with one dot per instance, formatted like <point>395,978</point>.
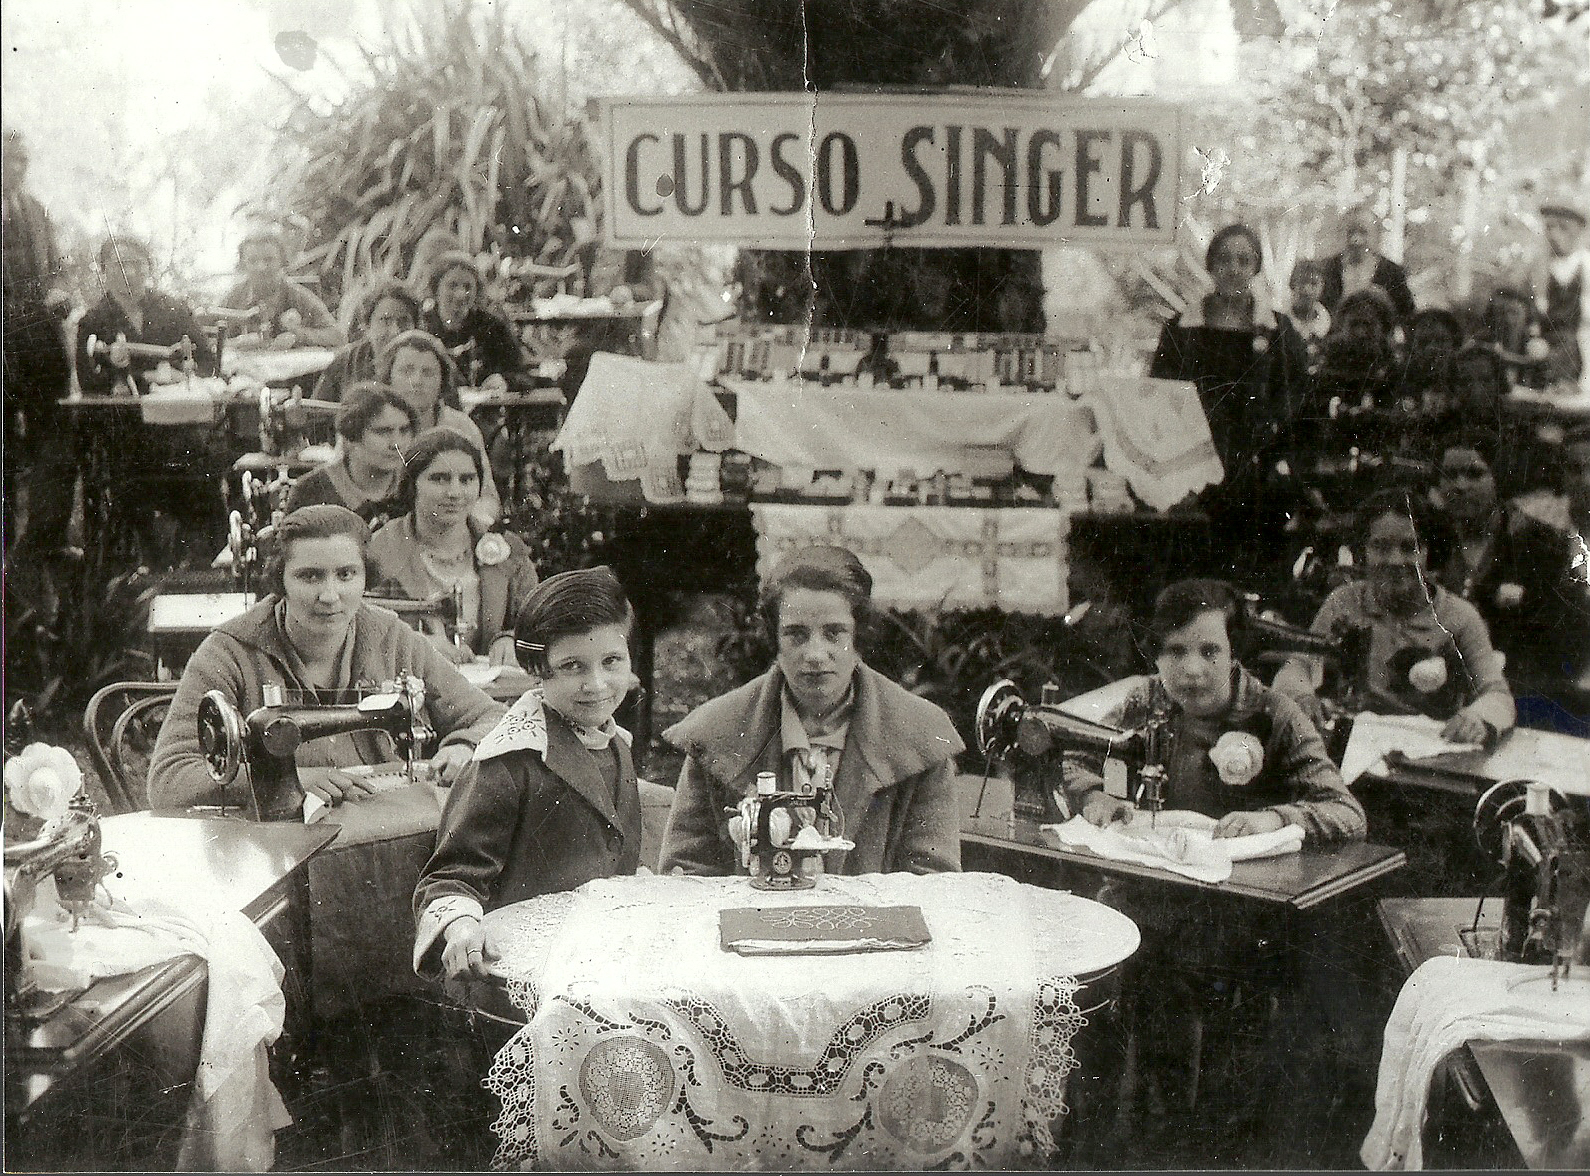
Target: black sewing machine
<point>266,740</point>
<point>1542,841</point>
<point>1346,689</point>
<point>1006,724</point>
<point>70,851</point>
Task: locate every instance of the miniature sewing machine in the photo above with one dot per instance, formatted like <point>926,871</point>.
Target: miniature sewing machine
<point>783,834</point>
<point>1543,844</point>
<point>265,741</point>
<point>1007,724</point>
<point>68,850</point>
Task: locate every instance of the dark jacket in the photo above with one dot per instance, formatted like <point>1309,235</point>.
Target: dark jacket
<point>247,653</point>
<point>166,321</point>
<point>496,348</point>
<point>395,563</point>
<point>351,364</point>
<point>1389,276</point>
<point>520,823</point>
<point>1297,779</point>
<point>1251,383</point>
<point>895,786</point>
<point>330,484</point>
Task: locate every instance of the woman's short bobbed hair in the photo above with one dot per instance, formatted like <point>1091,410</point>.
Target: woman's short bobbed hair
<point>418,340</point>
<point>820,569</point>
<point>322,521</point>
<point>1185,601</point>
<point>445,263</point>
<point>363,402</point>
<point>1223,235</point>
<point>568,604</point>
<point>427,447</point>
<point>390,290</point>
<point>1429,526</point>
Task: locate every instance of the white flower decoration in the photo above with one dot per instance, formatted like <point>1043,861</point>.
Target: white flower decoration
<point>492,550</point>
<point>1509,595</point>
<point>1261,344</point>
<point>42,780</point>
<point>1238,757</point>
<point>1428,676</point>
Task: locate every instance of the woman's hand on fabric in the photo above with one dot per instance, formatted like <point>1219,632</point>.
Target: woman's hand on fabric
<point>333,786</point>
<point>1100,808</point>
<point>1466,727</point>
<point>285,341</point>
<point>449,761</point>
<point>502,651</point>
<point>1244,824</point>
<point>468,950</point>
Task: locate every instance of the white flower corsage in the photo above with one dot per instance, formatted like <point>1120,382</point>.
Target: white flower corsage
<point>1428,675</point>
<point>1238,756</point>
<point>1261,344</point>
<point>1509,595</point>
<point>491,550</point>
<point>42,780</point>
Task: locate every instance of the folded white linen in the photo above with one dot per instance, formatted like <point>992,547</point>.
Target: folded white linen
<point>1448,1001</point>
<point>1179,841</point>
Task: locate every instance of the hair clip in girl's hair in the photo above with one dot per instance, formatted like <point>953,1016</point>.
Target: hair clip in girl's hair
<point>531,647</point>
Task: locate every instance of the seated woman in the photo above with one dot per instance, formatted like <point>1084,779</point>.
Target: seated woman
<point>1359,363</point>
<point>376,425</point>
<point>386,313</point>
<point>290,315</point>
<point>418,368</point>
<point>1251,369</point>
<point>132,312</point>
<point>1434,336</point>
<point>892,754</point>
<point>550,800</point>
<point>1513,326</point>
<point>484,346</point>
<point>314,634</point>
<point>1476,392</point>
<point>1208,694</point>
<point>1429,651</point>
<point>435,546</point>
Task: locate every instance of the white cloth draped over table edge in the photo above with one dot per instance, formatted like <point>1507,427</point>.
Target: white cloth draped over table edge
<point>235,1109</point>
<point>1448,1001</point>
<point>642,955</point>
<point>1178,840</point>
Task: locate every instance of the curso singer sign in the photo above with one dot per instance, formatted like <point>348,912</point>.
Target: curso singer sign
<point>1010,168</point>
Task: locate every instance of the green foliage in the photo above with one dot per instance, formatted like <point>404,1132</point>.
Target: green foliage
<point>448,130</point>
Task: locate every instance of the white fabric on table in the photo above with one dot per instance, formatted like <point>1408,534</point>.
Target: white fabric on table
<point>271,367</point>
<point>1416,736</point>
<point>1180,841</point>
<point>235,1109</point>
<point>1448,1001</point>
<point>647,1046</point>
<point>793,423</point>
<point>633,416</point>
<point>1015,559</point>
<point>191,402</point>
<point>1155,434</point>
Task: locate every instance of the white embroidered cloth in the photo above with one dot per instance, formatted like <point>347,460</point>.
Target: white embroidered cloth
<point>1177,840</point>
<point>928,557</point>
<point>235,1109</point>
<point>1446,1002</point>
<point>789,422</point>
<point>649,1047</point>
<point>1155,434</point>
<point>634,417</point>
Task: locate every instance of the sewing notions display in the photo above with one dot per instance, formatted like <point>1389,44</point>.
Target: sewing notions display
<point>783,835</point>
<point>265,741</point>
<point>1543,843</point>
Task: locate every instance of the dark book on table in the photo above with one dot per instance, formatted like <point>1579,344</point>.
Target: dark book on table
<point>821,930</point>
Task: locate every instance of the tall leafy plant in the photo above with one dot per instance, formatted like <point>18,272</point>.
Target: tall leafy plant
<point>448,129</point>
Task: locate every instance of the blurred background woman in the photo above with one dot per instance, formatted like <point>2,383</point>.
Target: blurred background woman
<point>417,367</point>
<point>376,425</point>
<point>386,312</point>
<point>290,315</point>
<point>1360,265</point>
<point>483,345</point>
<point>435,547</point>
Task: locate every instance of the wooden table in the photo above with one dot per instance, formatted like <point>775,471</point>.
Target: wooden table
<point>249,867</point>
<point>1300,881</point>
<point>1540,1091</point>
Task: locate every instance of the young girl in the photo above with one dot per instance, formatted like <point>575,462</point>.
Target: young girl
<point>550,800</point>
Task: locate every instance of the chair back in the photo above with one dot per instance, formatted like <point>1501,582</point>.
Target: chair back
<point>121,724</point>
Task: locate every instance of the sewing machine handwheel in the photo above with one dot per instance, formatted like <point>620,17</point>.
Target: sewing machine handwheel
<point>220,736</point>
<point>1497,807</point>
<point>997,710</point>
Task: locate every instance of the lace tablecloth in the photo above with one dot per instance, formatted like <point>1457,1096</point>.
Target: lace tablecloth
<point>1015,559</point>
<point>649,1047</point>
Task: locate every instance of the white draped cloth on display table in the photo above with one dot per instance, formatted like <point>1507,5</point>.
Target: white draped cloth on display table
<point>1156,436</point>
<point>931,557</point>
<point>635,418</point>
<point>647,1046</point>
